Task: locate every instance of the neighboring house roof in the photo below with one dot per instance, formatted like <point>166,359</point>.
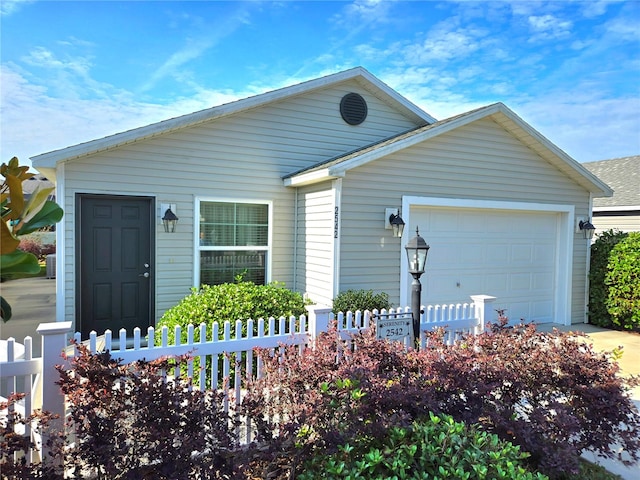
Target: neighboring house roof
<point>30,186</point>
<point>507,119</point>
<point>366,79</point>
<point>623,176</point>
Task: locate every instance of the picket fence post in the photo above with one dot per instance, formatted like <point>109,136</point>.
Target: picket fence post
<point>318,317</point>
<point>483,306</point>
<point>54,341</point>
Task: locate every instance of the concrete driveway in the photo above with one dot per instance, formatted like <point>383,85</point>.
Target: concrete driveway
<point>33,301</point>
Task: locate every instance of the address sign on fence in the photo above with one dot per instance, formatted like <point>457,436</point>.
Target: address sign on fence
<point>394,326</point>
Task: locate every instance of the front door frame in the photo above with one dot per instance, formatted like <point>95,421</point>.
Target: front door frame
<point>79,196</point>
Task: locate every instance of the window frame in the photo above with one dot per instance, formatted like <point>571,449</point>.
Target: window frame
<point>200,248</point>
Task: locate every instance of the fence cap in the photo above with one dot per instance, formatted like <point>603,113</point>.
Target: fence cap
<point>483,298</point>
<point>52,328</point>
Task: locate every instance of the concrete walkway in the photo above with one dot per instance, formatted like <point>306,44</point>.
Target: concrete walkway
<point>33,302</point>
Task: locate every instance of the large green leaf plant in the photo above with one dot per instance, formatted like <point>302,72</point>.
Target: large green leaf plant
<point>20,217</point>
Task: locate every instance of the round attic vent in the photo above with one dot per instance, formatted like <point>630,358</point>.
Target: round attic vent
<point>353,109</point>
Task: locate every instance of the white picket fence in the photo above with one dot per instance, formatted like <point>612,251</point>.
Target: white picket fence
<point>232,358</point>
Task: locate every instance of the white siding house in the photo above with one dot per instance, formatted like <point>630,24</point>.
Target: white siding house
<point>293,185</point>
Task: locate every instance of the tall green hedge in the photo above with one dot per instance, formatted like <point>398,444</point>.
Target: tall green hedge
<point>601,252</point>
<point>623,281</point>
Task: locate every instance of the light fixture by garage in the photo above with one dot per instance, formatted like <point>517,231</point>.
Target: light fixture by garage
<point>587,228</point>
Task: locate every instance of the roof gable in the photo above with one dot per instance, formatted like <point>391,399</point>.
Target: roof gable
<point>369,82</point>
<point>503,116</point>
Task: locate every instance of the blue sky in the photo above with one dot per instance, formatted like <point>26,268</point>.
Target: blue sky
<point>75,71</point>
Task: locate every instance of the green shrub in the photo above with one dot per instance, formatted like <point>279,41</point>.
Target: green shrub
<point>623,281</point>
<point>598,289</point>
<point>232,301</point>
<point>434,447</point>
<point>353,300</point>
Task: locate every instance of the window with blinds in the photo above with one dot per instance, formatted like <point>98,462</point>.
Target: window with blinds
<point>234,241</point>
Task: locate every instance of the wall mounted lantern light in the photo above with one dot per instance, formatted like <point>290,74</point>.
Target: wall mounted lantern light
<point>417,250</point>
<point>394,221</point>
<point>587,228</point>
<point>169,219</point>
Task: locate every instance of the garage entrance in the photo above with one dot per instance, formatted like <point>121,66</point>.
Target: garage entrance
<point>514,255</point>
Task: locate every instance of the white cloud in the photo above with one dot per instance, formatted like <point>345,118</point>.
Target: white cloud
<point>442,47</point>
<point>595,8</point>
<point>204,36</point>
<point>8,7</point>
<point>173,65</point>
<point>624,29</point>
<point>365,12</point>
<point>549,27</point>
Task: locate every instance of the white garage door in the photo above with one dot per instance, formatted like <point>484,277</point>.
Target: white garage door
<point>504,253</point>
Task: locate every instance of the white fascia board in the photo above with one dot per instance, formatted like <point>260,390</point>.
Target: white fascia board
<point>622,208</point>
<point>310,178</point>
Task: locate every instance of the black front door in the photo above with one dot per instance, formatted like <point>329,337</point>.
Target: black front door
<point>114,274</point>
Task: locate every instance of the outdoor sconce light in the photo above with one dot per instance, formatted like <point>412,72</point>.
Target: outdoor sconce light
<point>394,221</point>
<point>417,250</point>
<point>169,221</point>
<point>587,228</point>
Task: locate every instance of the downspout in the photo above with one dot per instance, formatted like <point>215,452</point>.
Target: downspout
<point>295,240</point>
<point>61,249</point>
<point>337,207</point>
<point>588,269</point>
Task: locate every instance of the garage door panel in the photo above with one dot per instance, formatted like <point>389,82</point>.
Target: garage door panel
<point>447,257</point>
<point>497,253</point>
<point>522,253</point>
<point>440,286</point>
<point>507,254</point>
<point>470,254</point>
<point>543,281</point>
<point>496,281</point>
<point>469,224</point>
<point>520,282</point>
<point>443,222</point>
<point>542,254</point>
<point>541,311</point>
<point>497,225</point>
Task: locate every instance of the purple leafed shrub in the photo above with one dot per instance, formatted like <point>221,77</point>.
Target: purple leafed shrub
<point>549,393</point>
<point>12,444</point>
<point>36,248</point>
<point>129,421</point>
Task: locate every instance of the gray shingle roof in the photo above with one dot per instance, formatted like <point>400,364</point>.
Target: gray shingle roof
<point>29,186</point>
<point>623,176</point>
